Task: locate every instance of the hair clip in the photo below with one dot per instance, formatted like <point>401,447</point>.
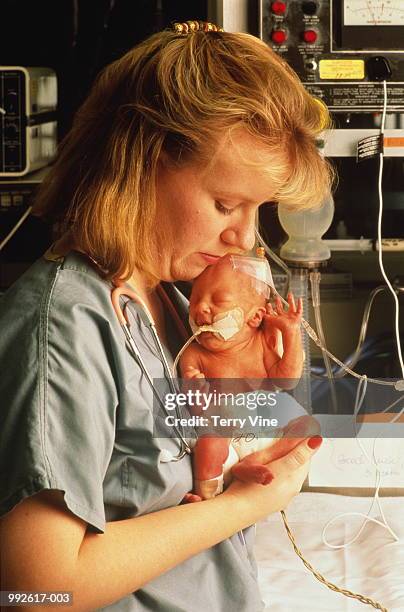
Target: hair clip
<point>185,27</point>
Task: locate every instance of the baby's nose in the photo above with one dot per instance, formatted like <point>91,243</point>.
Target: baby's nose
<point>203,314</point>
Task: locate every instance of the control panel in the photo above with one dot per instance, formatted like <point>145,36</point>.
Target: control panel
<point>341,49</point>
<point>28,99</point>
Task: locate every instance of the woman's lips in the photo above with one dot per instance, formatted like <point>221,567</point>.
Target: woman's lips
<point>210,259</point>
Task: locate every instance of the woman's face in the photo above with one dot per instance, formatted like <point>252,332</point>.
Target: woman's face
<point>206,211</point>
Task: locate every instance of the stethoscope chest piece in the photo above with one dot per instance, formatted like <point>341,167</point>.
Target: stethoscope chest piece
<point>167,456</point>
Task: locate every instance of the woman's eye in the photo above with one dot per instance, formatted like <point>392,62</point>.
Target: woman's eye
<point>222,209</point>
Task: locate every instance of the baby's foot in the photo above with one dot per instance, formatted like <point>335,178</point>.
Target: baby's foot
<point>252,472</point>
<point>190,498</point>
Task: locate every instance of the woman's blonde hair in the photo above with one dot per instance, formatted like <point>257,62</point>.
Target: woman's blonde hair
<point>175,93</point>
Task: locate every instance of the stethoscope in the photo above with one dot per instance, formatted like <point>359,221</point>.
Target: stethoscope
<point>122,316</point>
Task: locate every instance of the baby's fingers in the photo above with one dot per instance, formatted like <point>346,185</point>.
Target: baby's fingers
<point>270,310</point>
<point>278,304</point>
<point>291,302</point>
<point>191,372</point>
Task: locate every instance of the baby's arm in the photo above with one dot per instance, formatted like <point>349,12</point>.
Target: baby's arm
<point>191,362</point>
<point>288,366</point>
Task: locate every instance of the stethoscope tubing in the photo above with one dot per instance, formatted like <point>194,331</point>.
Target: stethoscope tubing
<point>123,291</point>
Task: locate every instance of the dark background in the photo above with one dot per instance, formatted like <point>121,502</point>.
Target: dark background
<point>78,37</point>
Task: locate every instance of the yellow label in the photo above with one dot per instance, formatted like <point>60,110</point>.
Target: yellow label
<point>342,69</point>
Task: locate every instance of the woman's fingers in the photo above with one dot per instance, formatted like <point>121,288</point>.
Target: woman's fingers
<point>297,457</point>
<point>289,473</point>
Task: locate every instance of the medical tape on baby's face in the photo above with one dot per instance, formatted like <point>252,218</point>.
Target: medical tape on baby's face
<point>257,269</point>
<point>225,324</point>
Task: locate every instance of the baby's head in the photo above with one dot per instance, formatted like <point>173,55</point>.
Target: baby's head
<point>222,289</point>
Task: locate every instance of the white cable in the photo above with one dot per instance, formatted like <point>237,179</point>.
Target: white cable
<point>379,237</point>
<point>363,382</point>
<point>360,395</point>
<point>15,228</point>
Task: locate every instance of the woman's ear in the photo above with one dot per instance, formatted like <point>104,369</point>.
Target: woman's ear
<point>256,318</point>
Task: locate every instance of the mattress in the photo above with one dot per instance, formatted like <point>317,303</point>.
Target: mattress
<point>372,566</point>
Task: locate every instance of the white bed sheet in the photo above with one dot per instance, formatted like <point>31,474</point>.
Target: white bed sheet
<point>372,566</point>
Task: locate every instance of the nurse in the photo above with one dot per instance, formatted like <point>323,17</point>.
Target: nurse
<point>169,158</point>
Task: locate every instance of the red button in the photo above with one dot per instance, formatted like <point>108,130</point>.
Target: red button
<point>279,8</point>
<point>278,36</point>
<point>309,36</point>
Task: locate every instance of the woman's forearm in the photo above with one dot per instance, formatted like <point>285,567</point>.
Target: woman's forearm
<point>46,548</point>
<point>134,551</point>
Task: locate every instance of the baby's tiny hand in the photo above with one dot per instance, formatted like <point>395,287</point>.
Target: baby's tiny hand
<point>197,381</point>
<point>191,372</point>
<point>284,320</point>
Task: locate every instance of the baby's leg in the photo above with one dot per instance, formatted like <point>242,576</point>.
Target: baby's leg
<point>208,457</point>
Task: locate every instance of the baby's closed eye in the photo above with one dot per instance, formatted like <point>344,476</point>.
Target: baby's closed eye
<point>219,297</point>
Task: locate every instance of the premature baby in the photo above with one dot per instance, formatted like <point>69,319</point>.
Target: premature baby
<point>224,293</point>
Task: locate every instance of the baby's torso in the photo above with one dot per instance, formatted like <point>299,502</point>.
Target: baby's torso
<point>251,362</point>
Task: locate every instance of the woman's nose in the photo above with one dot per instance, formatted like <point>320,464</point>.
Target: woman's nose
<point>241,235</point>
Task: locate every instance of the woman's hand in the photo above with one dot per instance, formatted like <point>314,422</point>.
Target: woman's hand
<point>289,472</point>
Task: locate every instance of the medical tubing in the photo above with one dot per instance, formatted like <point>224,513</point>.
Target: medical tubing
<point>315,277</point>
<point>365,320</point>
<point>276,259</point>
<point>363,330</point>
<point>310,331</point>
<point>186,345</point>
<point>333,587</point>
<point>299,286</point>
<point>379,238</point>
<point>360,396</point>
<point>15,228</point>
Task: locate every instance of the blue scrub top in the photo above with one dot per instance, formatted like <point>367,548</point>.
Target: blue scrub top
<point>77,417</point>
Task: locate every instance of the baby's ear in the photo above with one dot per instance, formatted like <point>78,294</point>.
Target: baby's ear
<point>256,319</point>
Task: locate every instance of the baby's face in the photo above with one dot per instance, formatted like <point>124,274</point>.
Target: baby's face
<point>215,292</point>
